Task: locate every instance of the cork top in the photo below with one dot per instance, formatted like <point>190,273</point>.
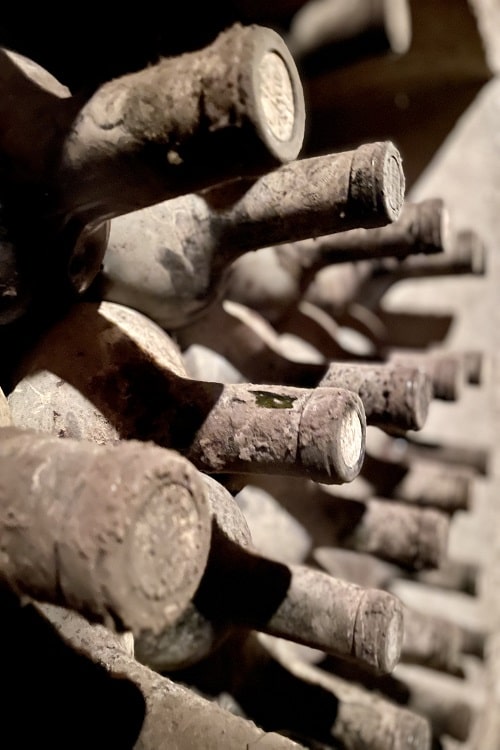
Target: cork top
<point>273,93</point>
<point>351,438</point>
<point>377,183</point>
<point>393,181</point>
<point>276,96</point>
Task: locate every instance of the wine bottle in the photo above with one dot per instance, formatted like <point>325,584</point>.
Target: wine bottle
<point>431,641</point>
<point>447,702</point>
<point>436,642</point>
<point>120,533</point>
<point>250,344</point>
<point>454,575</point>
<point>450,370</point>
<point>358,567</point>
<point>396,398</point>
<point>450,704</point>
<point>466,255</point>
<point>107,372</point>
<point>421,228</point>
<point>446,369</point>
<point>418,481</point>
<point>63,252</point>
<point>403,329</point>
<point>169,261</point>
<point>368,283</point>
<point>104,697</point>
<point>320,330</point>
<point>277,689</point>
<point>138,139</point>
<point>203,363</point>
<point>393,397</point>
<point>381,723</point>
<point>414,538</point>
<point>241,588</point>
<point>233,108</point>
<point>275,532</point>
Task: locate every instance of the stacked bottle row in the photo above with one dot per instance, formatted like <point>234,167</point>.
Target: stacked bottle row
<point>196,384</point>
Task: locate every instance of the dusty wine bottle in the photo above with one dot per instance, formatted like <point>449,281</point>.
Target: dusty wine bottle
<point>465,255</point>
<point>414,538</point>
<point>234,108</point>
<point>420,228</point>
<point>404,329</point>
<point>364,716</point>
<point>335,289</point>
<point>395,397</point>
<point>169,260</point>
<point>243,589</point>
<point>249,343</point>
<point>275,532</point>
<point>105,696</point>
<point>203,363</point>
<point>425,483</point>
<point>448,703</point>
<point>449,370</point>
<point>107,372</point>
<point>435,642</point>
<point>137,140</point>
<point>275,688</point>
<point>30,92</point>
<point>120,533</point>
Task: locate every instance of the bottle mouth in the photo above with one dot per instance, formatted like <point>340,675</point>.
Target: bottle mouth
<point>332,435</point>
<point>377,183</point>
<point>393,644</point>
<point>276,96</point>
<point>394,182</point>
<point>351,438</point>
<point>418,396</point>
